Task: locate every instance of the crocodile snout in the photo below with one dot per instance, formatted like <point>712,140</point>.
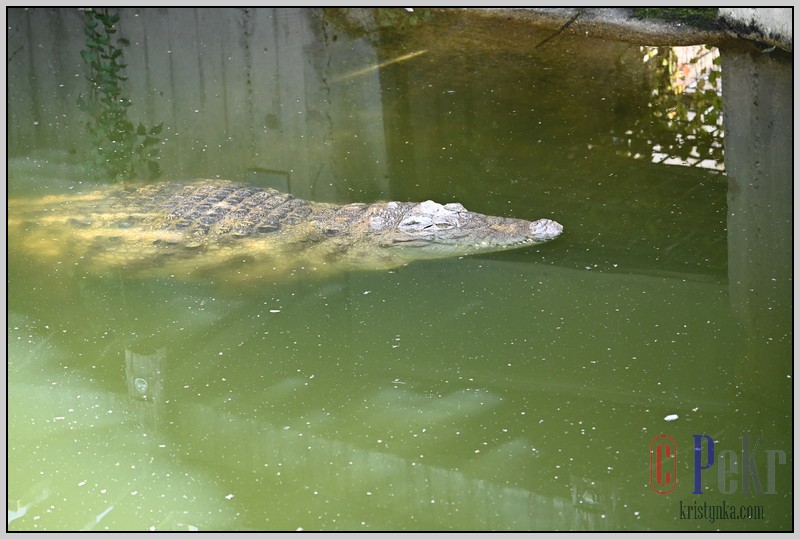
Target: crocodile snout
<point>545,229</point>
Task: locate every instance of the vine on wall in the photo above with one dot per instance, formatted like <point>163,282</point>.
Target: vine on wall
<point>119,150</point>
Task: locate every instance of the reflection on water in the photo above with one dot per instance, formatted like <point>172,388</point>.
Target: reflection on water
<point>685,124</point>
<point>515,391</point>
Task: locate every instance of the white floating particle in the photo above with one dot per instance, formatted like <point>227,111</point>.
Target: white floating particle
<point>671,417</point>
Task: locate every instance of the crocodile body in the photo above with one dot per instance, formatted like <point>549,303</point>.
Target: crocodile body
<point>207,226</point>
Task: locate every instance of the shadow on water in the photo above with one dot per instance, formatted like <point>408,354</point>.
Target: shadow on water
<point>515,391</point>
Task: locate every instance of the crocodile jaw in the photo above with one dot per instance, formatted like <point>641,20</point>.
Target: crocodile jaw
<point>469,233</point>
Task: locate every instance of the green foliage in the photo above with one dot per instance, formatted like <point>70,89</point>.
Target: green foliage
<point>120,150</point>
<point>401,18</point>
<point>702,17</point>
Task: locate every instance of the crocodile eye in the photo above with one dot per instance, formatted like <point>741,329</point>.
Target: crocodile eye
<point>415,224</point>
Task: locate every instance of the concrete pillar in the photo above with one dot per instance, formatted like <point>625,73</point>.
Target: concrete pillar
<point>757,107</point>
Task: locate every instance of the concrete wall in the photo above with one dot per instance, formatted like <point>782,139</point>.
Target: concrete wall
<point>771,25</point>
<point>239,91</point>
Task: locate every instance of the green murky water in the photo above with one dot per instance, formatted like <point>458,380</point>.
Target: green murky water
<point>514,391</point>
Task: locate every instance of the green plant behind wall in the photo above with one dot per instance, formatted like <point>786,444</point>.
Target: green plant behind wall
<point>119,150</point>
<point>702,17</point>
<point>401,18</point>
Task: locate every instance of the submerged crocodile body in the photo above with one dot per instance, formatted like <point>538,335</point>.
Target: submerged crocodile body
<point>205,226</point>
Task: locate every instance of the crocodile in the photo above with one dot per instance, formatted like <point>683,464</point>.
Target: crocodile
<point>205,227</point>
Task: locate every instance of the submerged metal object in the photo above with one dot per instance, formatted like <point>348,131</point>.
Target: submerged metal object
<point>205,226</point>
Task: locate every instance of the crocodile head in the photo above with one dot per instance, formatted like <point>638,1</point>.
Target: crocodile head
<point>432,230</point>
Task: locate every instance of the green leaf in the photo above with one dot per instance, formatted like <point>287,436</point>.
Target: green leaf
<point>156,129</point>
<point>87,56</point>
<point>141,130</point>
<point>104,18</point>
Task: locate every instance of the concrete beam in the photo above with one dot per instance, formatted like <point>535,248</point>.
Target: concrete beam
<point>772,25</point>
